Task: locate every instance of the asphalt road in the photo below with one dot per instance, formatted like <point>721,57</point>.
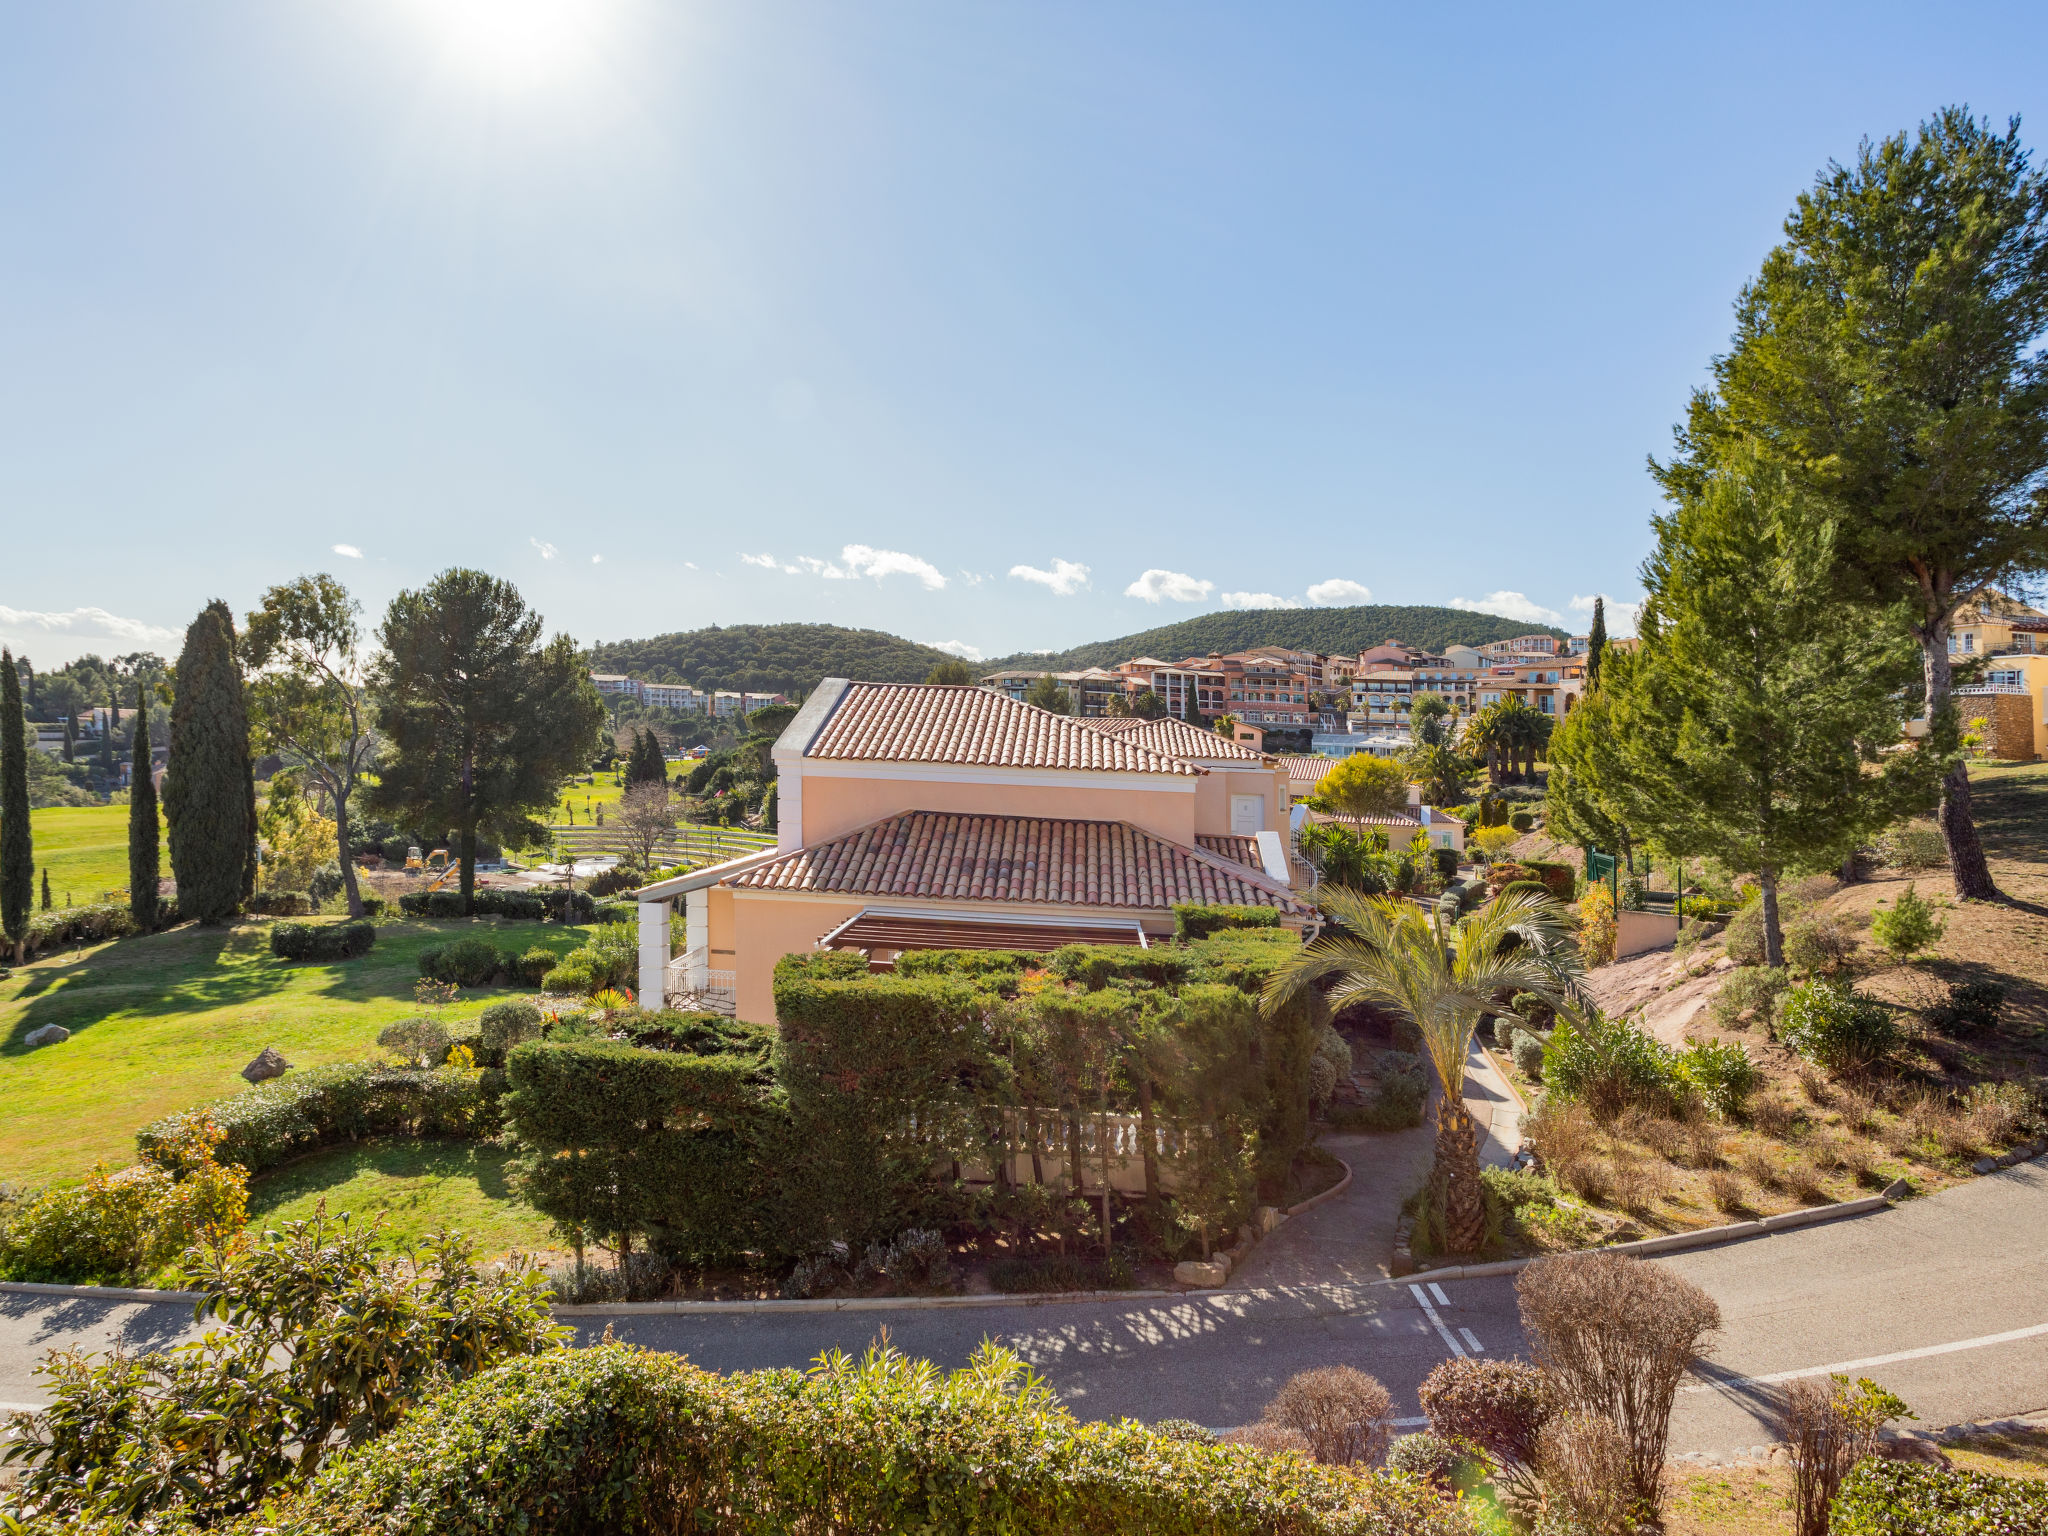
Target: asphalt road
<point>1957,1282</point>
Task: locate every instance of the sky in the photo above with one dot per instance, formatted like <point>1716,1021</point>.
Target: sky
<point>997,326</point>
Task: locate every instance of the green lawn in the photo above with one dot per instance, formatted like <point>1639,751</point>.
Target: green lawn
<point>583,799</point>
<point>415,1186</point>
<point>85,849</point>
<point>160,1023</point>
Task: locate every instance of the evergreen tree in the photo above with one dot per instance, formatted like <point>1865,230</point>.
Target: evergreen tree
<point>485,722</point>
<point>1596,643</point>
<point>17,836</point>
<point>952,673</point>
<point>142,833</point>
<point>1888,357</point>
<point>70,736</point>
<point>1760,723</point>
<point>1045,692</point>
<point>208,790</point>
<point>47,903</point>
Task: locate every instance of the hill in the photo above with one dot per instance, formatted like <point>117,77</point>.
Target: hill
<point>1336,631</point>
<point>769,658</point>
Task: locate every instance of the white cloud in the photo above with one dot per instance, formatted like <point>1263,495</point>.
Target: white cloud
<point>1337,591</point>
<point>349,550</point>
<point>858,560</point>
<point>689,565</point>
<point>1621,617</point>
<point>766,562</point>
<point>1065,578</point>
<point>83,624</point>
<point>597,559</point>
<point>547,551</point>
<point>1509,605</point>
<point>958,648</point>
<point>1155,584</point>
<point>1260,600</point>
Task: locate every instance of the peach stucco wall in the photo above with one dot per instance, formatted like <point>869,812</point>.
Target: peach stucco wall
<point>1213,794</point>
<point>770,928</point>
<point>833,807</point>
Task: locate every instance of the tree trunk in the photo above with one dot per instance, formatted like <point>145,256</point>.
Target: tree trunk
<point>1972,875</point>
<point>469,869</point>
<point>1456,1175</point>
<point>348,864</point>
<point>1774,936</point>
<point>1102,1146</point>
<point>1148,1138</point>
<point>1031,1130</point>
<point>1074,1151</point>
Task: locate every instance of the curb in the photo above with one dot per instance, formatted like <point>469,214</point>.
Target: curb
<point>1331,1193</point>
<point>99,1292</point>
<point>852,1304</point>
<point>1647,1247</point>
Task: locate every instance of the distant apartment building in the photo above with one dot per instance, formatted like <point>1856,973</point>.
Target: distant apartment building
<point>1525,645</point>
<point>1549,689</point>
<point>2000,645</point>
<point>681,696</point>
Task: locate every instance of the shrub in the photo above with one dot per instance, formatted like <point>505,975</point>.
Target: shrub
<point>1616,1336</point>
<point>62,927</point>
<point>1322,1079</point>
<point>1194,921</point>
<point>502,1026</point>
<point>615,912</point>
<point>1834,1028</point>
<point>272,1122</point>
<point>1399,1091</point>
<point>1433,1459</point>
<point>1828,1426</point>
<point>1185,1429</point>
<point>420,1042</point>
<point>1500,1406</point>
<point>1060,1272</point>
<point>571,976</point>
<point>1820,945</point>
<point>1971,1008</point>
<point>1896,1498</point>
<point>280,904</point>
<point>468,962</point>
<point>1997,1113</point>
<point>1747,994</point>
<point>1528,1054</point>
<point>1493,841</point>
<point>207,1434</point>
<point>322,941</point>
<point>1744,937</point>
<point>528,906</point>
<point>609,882</point>
<point>1597,932</point>
<point>1345,1415</point>
<point>1586,1470</point>
<point>1908,926</point>
<point>1608,1063</point>
<point>1523,821</point>
<point>1533,1010</point>
<point>532,967</point>
<point>1721,1073</point>
<point>1913,845</point>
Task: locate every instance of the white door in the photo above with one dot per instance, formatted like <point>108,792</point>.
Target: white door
<point>1247,814</point>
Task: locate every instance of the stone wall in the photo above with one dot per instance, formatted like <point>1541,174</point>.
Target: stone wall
<point>2008,723</point>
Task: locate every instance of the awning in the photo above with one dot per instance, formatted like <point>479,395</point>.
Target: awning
<point>899,928</point>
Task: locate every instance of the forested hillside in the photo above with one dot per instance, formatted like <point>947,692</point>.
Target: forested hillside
<point>1333,630</point>
<point>768,658</point>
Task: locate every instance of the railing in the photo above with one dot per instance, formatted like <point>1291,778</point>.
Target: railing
<point>718,994</point>
<point>685,845</point>
<point>1043,1158</point>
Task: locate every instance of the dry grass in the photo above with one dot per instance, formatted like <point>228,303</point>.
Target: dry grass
<point>1803,1180</point>
<point>1703,1139</point>
<point>1587,1177</point>
<point>1815,1085</point>
<point>1773,1116</point>
<point>1760,1168</point>
<point>1728,1192</point>
<point>1859,1112</point>
<point>1638,1185</point>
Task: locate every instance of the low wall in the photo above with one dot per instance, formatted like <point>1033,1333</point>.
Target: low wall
<point>1637,933</point>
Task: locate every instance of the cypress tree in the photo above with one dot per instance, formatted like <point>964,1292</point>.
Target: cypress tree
<point>70,736</point>
<point>46,888</point>
<point>1596,643</point>
<point>17,838</point>
<point>207,788</point>
<point>142,834</point>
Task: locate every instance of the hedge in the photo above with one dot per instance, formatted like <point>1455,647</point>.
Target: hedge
<point>1896,1498</point>
<point>322,941</point>
<point>279,904</point>
<point>468,962</point>
<point>1561,880</point>
<point>62,927</point>
<point>1191,920</point>
<point>525,906</point>
<point>273,1122</point>
<point>618,1439</point>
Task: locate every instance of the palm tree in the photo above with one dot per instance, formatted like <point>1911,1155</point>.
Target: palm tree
<point>1394,955</point>
<point>1487,734</point>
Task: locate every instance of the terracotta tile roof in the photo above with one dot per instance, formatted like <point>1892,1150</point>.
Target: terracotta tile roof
<point>1243,850</point>
<point>1175,738</point>
<point>1307,771</point>
<point>935,855</point>
<point>920,723</point>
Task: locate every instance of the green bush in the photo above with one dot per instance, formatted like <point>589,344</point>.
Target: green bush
<point>532,967</point>
<point>1061,1272</point>
<point>1895,1498</point>
<point>421,1042</point>
<point>1097,965</point>
<point>1721,1073</point>
<point>468,962</point>
<point>1752,990</point>
<point>1400,1089</point>
<point>62,927</point>
<point>279,904</point>
<point>1819,945</point>
<point>1834,1028</point>
<point>502,1026</point>
<point>1528,1054</point>
<point>1194,921</point>
<point>322,941</point>
<point>1907,926</point>
<point>1522,821</point>
<point>571,976</point>
<point>1971,1008</point>
<point>1560,880</point>
<point>1608,1063</point>
<point>626,1441</point>
<point>273,1122</point>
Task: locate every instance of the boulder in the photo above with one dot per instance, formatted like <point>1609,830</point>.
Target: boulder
<point>1984,1165</point>
<point>1202,1276</point>
<point>1267,1219</point>
<point>49,1034</point>
<point>1898,1189</point>
<point>268,1064</point>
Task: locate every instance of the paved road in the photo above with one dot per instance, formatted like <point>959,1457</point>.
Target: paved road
<point>1924,1278</point>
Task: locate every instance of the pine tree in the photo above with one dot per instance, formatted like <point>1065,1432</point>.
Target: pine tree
<point>17,836</point>
<point>1596,643</point>
<point>207,787</point>
<point>142,834</point>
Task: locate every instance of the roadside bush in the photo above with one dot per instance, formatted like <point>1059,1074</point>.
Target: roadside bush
<point>1345,1415</point>
<point>322,941</point>
<point>1616,1336</point>
<point>1597,930</point>
<point>1820,945</point>
<point>1608,1063</point>
<point>1584,1464</point>
<point>468,962</point>
<point>1908,926</point>
<point>1971,1008</point>
<point>1192,920</point>
<point>62,927</point>
<point>1721,1073</point>
<point>1896,1498</point>
<point>1433,1459</point>
<point>315,1106</point>
<point>1500,1406</point>
<point>1528,1054</point>
<point>1827,1427</point>
<point>1749,995</point>
<point>1061,1272</point>
<point>1835,1029</point>
<point>208,1431</point>
<point>623,1440</point>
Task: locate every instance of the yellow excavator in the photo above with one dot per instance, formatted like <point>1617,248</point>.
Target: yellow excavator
<point>436,863</point>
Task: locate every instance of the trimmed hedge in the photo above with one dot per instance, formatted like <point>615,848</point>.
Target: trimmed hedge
<point>279,904</point>
<point>62,927</point>
<point>520,906</point>
<point>468,962</point>
<point>322,941</point>
<point>1895,1498</point>
<point>622,1440</point>
<point>273,1122</point>
<point>1191,920</point>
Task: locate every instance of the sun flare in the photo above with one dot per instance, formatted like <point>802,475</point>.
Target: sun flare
<point>516,45</point>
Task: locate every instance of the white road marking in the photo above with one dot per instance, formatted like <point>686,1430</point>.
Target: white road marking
<point>1472,1343</point>
<point>1437,1323</point>
<point>1438,1292</point>
<point>1867,1361</point>
<point>1409,1423</point>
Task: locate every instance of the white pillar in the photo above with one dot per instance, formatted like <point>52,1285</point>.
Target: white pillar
<point>697,941</point>
<point>653,953</point>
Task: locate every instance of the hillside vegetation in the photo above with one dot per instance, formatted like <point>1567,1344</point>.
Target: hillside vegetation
<point>1334,630</point>
<point>769,658</point>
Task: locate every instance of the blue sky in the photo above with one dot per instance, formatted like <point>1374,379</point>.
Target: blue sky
<point>1008,326</point>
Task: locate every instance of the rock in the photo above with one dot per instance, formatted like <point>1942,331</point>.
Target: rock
<point>2007,1159</point>
<point>1267,1219</point>
<point>1913,1449</point>
<point>270,1063</point>
<point>1203,1276</point>
<point>1898,1189</point>
<point>1403,1263</point>
<point>1984,1165</point>
<point>49,1034</point>
<point>1245,1236</point>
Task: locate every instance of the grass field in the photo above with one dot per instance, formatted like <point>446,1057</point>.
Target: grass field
<point>160,1023</point>
<point>85,849</point>
<point>582,800</point>
<point>415,1186</point>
